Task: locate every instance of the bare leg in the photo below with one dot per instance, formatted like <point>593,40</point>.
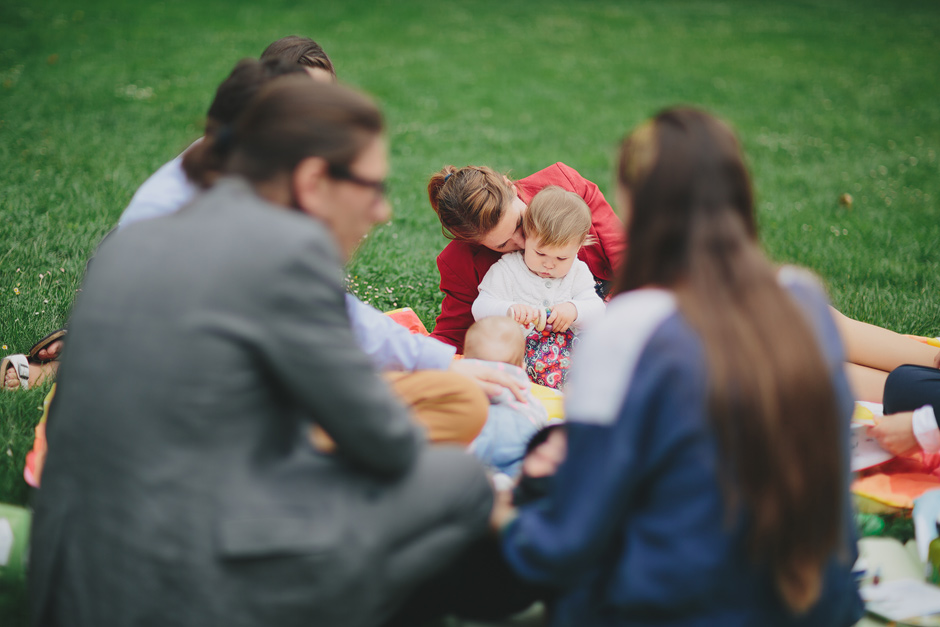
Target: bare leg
<point>879,348</point>
<point>868,384</point>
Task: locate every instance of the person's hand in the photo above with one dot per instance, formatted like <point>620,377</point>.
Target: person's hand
<point>503,511</point>
<point>524,314</point>
<point>563,314</point>
<point>895,432</point>
<point>320,440</point>
<point>492,381</point>
<point>936,360</point>
<point>544,459</point>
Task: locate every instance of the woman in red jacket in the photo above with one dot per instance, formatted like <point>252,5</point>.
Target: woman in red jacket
<point>481,211</point>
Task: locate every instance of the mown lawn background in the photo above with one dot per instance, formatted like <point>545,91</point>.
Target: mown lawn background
<point>833,98</point>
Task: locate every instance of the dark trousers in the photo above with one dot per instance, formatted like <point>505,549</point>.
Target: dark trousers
<point>911,387</point>
<point>480,585</point>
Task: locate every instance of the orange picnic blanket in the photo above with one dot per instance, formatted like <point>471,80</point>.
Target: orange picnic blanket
<point>897,482</point>
<point>407,318</point>
<point>37,456</point>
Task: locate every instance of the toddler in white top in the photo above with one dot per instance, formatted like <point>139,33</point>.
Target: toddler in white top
<point>545,286</point>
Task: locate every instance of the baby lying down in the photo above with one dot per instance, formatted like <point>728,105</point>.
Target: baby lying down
<point>499,342</point>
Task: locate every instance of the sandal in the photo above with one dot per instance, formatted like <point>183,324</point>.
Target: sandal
<point>20,365</point>
<point>56,335</point>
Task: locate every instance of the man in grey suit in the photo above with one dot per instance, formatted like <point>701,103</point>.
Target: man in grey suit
<point>181,488</point>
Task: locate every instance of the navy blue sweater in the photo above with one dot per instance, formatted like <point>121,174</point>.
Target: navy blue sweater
<point>635,531</point>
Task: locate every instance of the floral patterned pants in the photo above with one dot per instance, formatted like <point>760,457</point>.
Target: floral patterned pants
<point>548,357</point>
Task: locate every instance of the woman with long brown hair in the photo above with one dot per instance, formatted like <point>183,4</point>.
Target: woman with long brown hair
<point>706,480</point>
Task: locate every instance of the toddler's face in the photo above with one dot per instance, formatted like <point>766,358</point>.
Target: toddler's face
<point>550,262</point>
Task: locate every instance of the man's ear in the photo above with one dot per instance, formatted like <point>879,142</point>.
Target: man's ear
<point>308,183</point>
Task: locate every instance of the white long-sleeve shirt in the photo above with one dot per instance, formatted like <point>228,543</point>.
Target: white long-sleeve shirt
<point>509,281</point>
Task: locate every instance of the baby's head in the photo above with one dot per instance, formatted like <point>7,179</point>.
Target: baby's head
<point>497,338</point>
<point>557,223</point>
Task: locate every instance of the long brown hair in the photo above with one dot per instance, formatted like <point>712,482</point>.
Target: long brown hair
<point>691,228</point>
<point>469,201</point>
<point>290,119</point>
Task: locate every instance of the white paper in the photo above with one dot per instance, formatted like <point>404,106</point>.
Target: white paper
<point>901,599</point>
<point>863,448</point>
<point>876,409</point>
<point>6,541</point>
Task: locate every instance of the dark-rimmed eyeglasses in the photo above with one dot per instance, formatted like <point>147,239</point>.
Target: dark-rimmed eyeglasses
<point>342,173</point>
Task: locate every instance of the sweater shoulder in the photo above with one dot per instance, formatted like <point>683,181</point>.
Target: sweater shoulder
<point>614,347</point>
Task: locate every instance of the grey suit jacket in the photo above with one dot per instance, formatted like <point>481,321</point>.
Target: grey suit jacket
<point>180,487</point>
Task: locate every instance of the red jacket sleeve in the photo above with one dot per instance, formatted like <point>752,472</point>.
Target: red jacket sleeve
<point>462,267</point>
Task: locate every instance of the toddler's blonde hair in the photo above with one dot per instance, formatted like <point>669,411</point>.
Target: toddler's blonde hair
<point>557,217</point>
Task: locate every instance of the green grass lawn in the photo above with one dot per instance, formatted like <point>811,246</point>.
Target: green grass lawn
<point>828,98</point>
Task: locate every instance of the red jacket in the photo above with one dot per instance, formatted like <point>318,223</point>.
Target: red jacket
<point>462,264</point>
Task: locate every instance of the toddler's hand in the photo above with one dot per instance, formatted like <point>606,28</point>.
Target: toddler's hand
<point>563,314</point>
<point>524,314</point>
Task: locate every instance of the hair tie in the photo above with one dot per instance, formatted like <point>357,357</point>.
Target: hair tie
<point>224,138</point>
<point>448,176</point>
